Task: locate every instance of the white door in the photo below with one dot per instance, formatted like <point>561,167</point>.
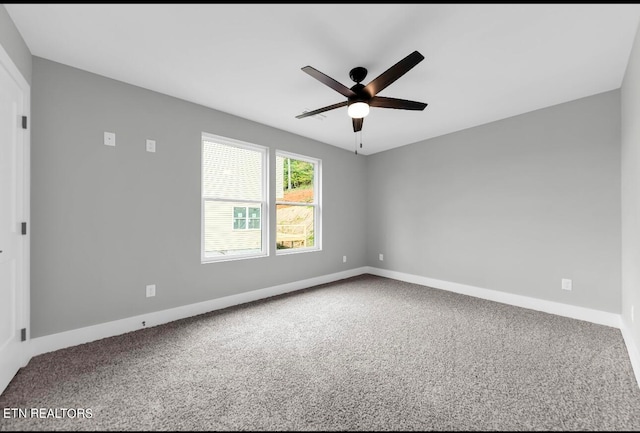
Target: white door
<point>13,245</point>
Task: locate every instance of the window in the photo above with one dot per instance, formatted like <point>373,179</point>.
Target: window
<point>297,203</point>
<point>246,218</point>
<point>234,199</point>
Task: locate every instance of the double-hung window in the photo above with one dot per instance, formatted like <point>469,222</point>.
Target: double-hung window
<point>297,203</point>
<point>234,199</point>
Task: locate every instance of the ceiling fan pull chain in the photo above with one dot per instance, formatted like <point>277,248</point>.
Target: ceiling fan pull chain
<point>355,141</point>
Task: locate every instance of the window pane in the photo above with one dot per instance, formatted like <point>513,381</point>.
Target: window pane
<point>254,218</point>
<point>221,238</point>
<point>254,224</point>
<point>295,225</point>
<point>239,212</point>
<point>254,212</point>
<point>231,172</point>
<point>294,180</point>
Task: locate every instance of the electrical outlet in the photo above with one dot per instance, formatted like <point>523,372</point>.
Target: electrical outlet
<point>566,284</point>
<point>151,290</point>
<point>381,257</point>
<point>344,259</point>
<point>151,145</point>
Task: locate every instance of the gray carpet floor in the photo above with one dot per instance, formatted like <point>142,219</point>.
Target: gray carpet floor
<point>365,353</point>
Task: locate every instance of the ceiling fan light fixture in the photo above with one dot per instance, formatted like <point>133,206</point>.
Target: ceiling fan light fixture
<point>358,110</point>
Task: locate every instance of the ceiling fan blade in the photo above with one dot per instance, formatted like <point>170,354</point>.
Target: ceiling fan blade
<point>402,104</point>
<point>357,124</point>
<point>393,73</point>
<point>325,79</point>
<point>322,110</point>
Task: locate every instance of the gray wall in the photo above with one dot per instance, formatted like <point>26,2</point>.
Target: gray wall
<point>631,192</point>
<point>107,221</point>
<point>514,205</point>
<point>14,45</point>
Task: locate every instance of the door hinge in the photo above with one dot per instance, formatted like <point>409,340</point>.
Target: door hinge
<point>24,228</point>
<point>23,334</point>
<point>24,122</point>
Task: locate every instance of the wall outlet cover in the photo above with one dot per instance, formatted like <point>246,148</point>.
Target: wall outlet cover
<point>151,145</point>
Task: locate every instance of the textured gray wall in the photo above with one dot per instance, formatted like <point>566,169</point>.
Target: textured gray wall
<point>107,221</point>
<point>14,45</point>
<point>630,95</point>
<point>514,205</point>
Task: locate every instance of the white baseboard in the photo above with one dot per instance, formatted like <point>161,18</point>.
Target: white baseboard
<point>87,334</point>
<point>580,313</point>
<point>632,348</point>
<point>571,311</point>
<point>49,343</point>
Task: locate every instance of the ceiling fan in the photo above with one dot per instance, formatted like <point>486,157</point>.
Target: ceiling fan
<point>361,97</point>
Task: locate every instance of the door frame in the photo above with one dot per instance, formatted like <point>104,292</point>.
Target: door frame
<point>24,316</point>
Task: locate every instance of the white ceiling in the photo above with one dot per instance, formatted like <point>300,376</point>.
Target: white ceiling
<point>483,62</point>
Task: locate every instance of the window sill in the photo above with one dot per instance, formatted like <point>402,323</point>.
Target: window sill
<point>287,251</point>
<point>207,260</point>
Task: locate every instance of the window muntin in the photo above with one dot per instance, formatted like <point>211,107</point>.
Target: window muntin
<point>297,203</point>
<point>246,218</point>
<point>234,199</point>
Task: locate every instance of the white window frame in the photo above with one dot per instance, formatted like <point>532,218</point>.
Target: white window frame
<point>317,204</point>
<point>262,204</point>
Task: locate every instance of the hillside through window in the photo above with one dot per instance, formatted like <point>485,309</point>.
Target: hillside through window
<point>297,203</point>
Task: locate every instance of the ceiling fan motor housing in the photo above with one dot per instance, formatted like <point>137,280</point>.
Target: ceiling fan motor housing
<point>361,95</point>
